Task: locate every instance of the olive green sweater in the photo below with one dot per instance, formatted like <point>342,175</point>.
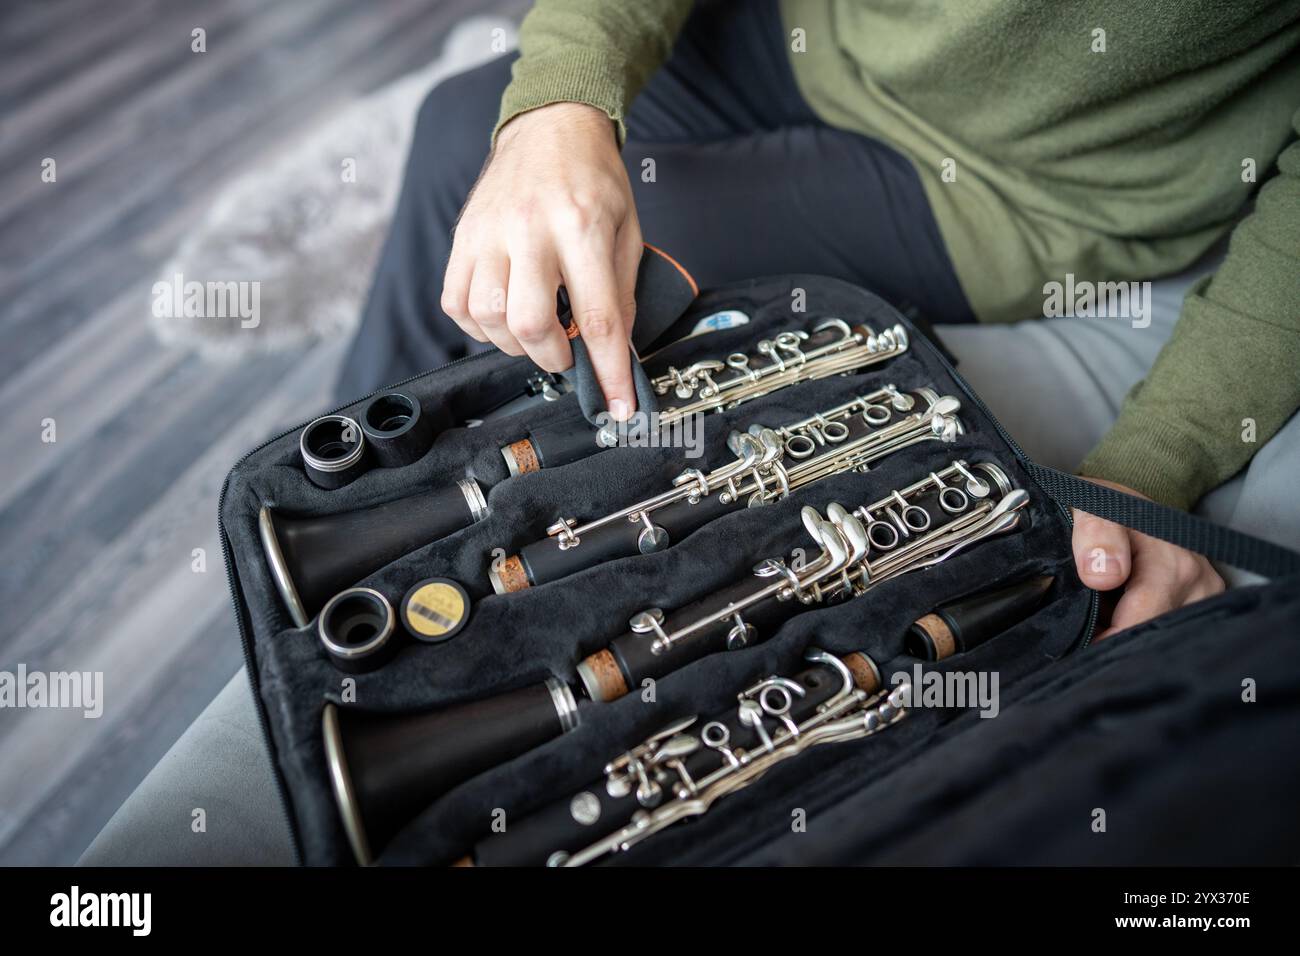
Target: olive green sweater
<point>1109,141</point>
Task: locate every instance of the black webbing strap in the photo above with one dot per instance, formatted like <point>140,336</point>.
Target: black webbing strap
<point>1216,542</point>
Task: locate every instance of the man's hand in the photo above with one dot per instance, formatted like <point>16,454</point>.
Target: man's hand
<point>1160,576</point>
<point>552,207</point>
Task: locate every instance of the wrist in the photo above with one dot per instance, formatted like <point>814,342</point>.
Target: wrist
<point>573,119</point>
<point>1154,458</point>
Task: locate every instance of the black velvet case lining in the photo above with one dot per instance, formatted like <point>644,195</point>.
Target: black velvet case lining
<point>519,639</point>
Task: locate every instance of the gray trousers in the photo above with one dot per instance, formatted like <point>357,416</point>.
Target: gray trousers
<point>1055,384</point>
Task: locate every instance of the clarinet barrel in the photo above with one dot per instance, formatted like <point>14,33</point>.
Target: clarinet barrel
<point>386,768</point>
<point>314,558</point>
<point>550,446</point>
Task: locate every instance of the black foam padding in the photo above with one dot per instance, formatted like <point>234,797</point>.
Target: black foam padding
<point>517,640</point>
<point>1152,725</point>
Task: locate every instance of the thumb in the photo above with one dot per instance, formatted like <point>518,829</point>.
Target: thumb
<point>1102,552</point>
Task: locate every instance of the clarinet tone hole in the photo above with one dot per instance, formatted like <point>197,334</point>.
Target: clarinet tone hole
<point>715,734</point>
<point>916,518</point>
<point>835,431</point>
<point>883,535</point>
<point>875,414</point>
<point>953,500</point>
<point>799,446</point>
<point>777,703</point>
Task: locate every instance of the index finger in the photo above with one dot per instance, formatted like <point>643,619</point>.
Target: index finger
<point>588,269</point>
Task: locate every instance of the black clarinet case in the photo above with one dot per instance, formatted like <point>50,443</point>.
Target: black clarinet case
<point>514,641</point>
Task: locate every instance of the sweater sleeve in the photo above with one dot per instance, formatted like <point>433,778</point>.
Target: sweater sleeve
<point>598,52</point>
<point>1229,377</point>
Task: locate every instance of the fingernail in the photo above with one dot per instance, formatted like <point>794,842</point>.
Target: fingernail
<point>618,410</point>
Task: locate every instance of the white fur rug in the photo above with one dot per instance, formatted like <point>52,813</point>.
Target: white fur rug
<point>296,227</point>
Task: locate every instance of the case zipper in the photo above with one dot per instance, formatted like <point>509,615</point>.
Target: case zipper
<point>245,641</point>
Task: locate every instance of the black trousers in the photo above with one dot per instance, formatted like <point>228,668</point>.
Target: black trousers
<point>746,181</point>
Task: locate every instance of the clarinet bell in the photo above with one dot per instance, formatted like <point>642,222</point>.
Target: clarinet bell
<point>312,558</point>
<point>386,768</point>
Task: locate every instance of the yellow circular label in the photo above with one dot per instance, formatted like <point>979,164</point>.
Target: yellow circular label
<point>435,609</point>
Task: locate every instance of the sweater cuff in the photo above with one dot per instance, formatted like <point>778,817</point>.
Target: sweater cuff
<point>574,76</point>
<point>1154,458</point>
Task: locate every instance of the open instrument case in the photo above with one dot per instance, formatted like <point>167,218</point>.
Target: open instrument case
<point>515,640</point>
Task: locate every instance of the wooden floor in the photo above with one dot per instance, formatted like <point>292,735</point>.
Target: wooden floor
<point>97,529</point>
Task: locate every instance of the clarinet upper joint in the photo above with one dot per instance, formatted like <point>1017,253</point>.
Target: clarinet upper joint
<point>833,347</point>
<point>770,463</point>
